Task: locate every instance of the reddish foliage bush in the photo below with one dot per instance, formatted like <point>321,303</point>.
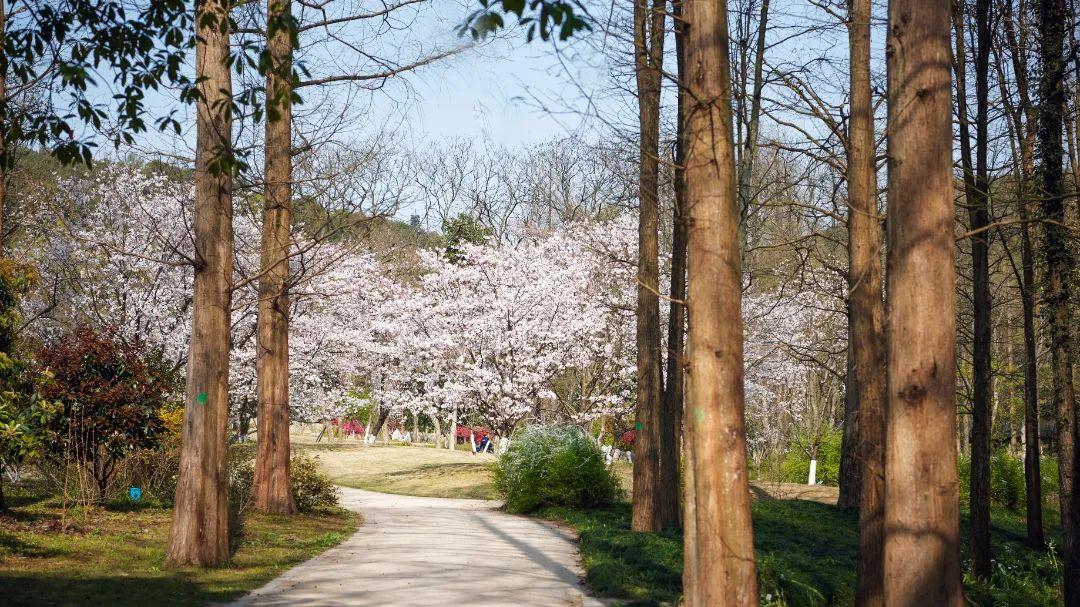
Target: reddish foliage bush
<point>626,439</point>
<point>111,393</point>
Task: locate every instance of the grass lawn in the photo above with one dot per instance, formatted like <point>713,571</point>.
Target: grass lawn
<point>423,471</point>
<point>806,555</point>
<point>115,556</point>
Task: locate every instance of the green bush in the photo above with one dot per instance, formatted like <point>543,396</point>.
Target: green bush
<point>1007,484</point>
<point>793,466</point>
<point>312,490</point>
<point>554,466</point>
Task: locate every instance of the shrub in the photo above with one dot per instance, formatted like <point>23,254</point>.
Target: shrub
<point>1007,484</point>
<point>793,466</point>
<point>554,466</point>
<point>111,394</point>
<point>312,490</point>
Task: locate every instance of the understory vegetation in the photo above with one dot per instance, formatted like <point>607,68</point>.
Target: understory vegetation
<point>554,466</point>
<point>115,554</point>
<point>806,557</point>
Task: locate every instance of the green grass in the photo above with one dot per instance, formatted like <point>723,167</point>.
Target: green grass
<point>116,555</point>
<point>412,470</point>
<point>806,556</point>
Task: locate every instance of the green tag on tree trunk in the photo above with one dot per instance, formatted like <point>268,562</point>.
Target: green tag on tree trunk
<point>202,398</point>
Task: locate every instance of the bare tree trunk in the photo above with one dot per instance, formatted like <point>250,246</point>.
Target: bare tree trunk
<point>850,460</point>
<point>672,412</point>
<point>452,445</point>
<point>200,522</point>
<point>866,319</point>
<point>976,193</point>
<point>5,159</point>
<point>719,555</point>
<point>1052,17</point>
<point>648,51</point>
<point>272,489</point>
<point>1024,117</point>
<point>748,158</point>
<point>922,514</point>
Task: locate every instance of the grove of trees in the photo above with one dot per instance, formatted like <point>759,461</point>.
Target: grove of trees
<point>839,235</point>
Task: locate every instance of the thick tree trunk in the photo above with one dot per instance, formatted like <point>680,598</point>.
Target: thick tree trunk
<point>976,194</point>
<point>200,522</point>
<point>384,413</point>
<point>672,412</point>
<point>1052,18</point>
<point>648,51</point>
<point>272,490</point>
<point>922,516</point>
<point>719,555</point>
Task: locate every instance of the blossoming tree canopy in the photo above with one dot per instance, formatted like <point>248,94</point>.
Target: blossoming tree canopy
<point>534,327</point>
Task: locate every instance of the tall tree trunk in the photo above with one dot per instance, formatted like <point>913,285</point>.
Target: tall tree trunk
<point>867,310</point>
<point>6,160</point>
<point>648,52</point>
<point>922,515</point>
<point>719,555</point>
<point>1024,118</point>
<point>976,192</point>
<point>200,522</point>
<point>672,412</point>
<point>272,490</point>
<point>1052,17</point>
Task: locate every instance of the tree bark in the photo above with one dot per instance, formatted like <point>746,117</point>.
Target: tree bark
<point>672,411</point>
<point>976,192</point>
<point>850,460</point>
<point>719,553</point>
<point>748,158</point>
<point>922,516</point>
<point>648,53</point>
<point>867,310</point>
<point>200,522</point>
<point>1051,15</point>
<point>272,489</point>
<point>1024,118</point>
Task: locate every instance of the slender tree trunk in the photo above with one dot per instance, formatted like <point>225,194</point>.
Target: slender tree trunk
<point>922,515</point>
<point>272,490</point>
<point>1052,17</point>
<point>6,162</point>
<point>976,192</point>
<point>452,444</point>
<point>719,554</point>
<point>867,310</point>
<point>748,158</point>
<point>1024,118</point>
<point>672,413</point>
<point>200,522</point>
<point>648,51</point>
<point>850,461</point>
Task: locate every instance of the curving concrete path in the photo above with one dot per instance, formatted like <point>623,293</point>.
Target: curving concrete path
<point>419,551</point>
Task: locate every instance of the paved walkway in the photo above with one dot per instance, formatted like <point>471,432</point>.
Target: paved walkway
<point>419,551</point>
